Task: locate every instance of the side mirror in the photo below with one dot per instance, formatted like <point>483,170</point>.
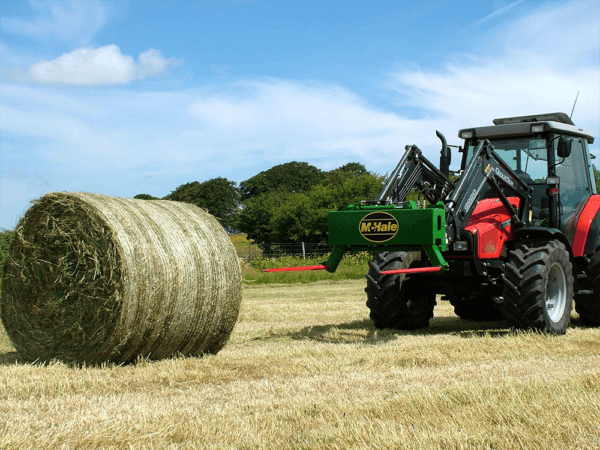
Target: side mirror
<point>564,147</point>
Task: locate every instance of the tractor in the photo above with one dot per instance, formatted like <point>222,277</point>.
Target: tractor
<point>513,234</point>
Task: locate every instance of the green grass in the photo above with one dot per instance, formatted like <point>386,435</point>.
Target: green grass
<point>352,267</point>
<point>343,273</point>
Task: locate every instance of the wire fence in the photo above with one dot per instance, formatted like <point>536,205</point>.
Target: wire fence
<point>274,250</point>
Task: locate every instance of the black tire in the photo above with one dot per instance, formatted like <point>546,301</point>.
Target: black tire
<point>397,301</point>
<point>538,287</point>
<point>473,307</point>
<point>588,305</point>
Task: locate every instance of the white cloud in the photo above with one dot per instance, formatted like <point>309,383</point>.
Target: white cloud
<point>538,64</point>
<point>87,66</point>
<point>286,120</point>
<point>72,21</point>
<point>99,66</point>
<point>243,124</point>
<point>565,34</point>
<point>150,63</point>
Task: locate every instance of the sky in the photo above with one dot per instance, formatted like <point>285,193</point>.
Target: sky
<point>129,97</point>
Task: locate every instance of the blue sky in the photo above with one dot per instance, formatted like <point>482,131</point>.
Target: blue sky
<point>122,98</point>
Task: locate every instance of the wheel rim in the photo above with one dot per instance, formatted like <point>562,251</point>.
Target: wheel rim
<point>556,292</point>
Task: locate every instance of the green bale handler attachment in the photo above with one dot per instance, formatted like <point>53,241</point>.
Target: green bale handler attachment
<point>386,227</point>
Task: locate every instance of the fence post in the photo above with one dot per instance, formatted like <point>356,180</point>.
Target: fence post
<point>303,251</point>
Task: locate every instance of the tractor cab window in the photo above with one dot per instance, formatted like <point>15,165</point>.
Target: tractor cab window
<point>527,156</point>
<point>573,173</point>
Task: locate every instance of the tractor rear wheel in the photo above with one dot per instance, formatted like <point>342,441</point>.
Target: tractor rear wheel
<point>471,307</point>
<point>588,305</point>
<point>538,287</point>
<point>397,301</point>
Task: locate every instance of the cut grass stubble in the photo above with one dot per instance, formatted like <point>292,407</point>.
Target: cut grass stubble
<point>305,368</point>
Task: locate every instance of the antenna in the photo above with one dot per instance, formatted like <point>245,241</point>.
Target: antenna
<point>574,105</point>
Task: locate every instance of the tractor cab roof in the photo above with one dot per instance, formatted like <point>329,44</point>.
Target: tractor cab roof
<point>527,125</point>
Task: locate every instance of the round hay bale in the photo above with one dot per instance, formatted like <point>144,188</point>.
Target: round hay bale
<point>93,279</point>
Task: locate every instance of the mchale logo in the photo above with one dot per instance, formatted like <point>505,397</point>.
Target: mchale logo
<point>378,227</point>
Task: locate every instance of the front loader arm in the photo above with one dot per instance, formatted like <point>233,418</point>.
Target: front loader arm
<point>485,170</point>
<point>414,170</point>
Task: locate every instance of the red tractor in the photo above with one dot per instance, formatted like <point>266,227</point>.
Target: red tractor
<point>514,233</point>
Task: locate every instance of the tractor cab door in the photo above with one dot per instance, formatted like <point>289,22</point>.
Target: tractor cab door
<point>576,184</point>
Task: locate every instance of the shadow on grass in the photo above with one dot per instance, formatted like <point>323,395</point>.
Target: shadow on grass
<point>364,331</point>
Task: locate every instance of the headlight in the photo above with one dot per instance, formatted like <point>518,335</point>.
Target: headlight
<point>537,128</point>
<point>460,246</point>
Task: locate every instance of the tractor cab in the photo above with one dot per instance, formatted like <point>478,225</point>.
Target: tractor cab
<point>550,154</point>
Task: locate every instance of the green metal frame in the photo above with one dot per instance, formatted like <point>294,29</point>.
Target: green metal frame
<point>388,227</point>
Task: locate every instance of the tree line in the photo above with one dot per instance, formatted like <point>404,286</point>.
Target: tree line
<point>287,203</point>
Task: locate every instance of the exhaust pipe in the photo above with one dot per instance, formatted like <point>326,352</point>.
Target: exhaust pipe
<point>445,155</point>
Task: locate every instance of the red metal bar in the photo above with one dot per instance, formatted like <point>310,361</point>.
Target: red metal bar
<point>295,269</point>
<point>413,270</point>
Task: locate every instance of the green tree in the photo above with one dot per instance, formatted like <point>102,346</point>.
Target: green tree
<point>257,216</point>
<point>219,196</point>
<point>285,217</point>
<point>294,177</point>
<point>352,168</point>
<point>306,219</point>
<point>145,197</point>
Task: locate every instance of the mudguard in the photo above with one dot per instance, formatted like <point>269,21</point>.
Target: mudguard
<point>583,228</point>
<point>543,233</point>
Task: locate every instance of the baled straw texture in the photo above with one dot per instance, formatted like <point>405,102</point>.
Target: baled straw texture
<point>93,279</point>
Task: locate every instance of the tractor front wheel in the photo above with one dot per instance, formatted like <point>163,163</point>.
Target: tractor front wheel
<point>538,287</point>
<point>397,301</point>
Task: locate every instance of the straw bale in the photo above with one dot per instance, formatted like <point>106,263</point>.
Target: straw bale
<point>92,279</point>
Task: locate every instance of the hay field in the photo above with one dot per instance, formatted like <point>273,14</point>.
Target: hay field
<point>305,369</point>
